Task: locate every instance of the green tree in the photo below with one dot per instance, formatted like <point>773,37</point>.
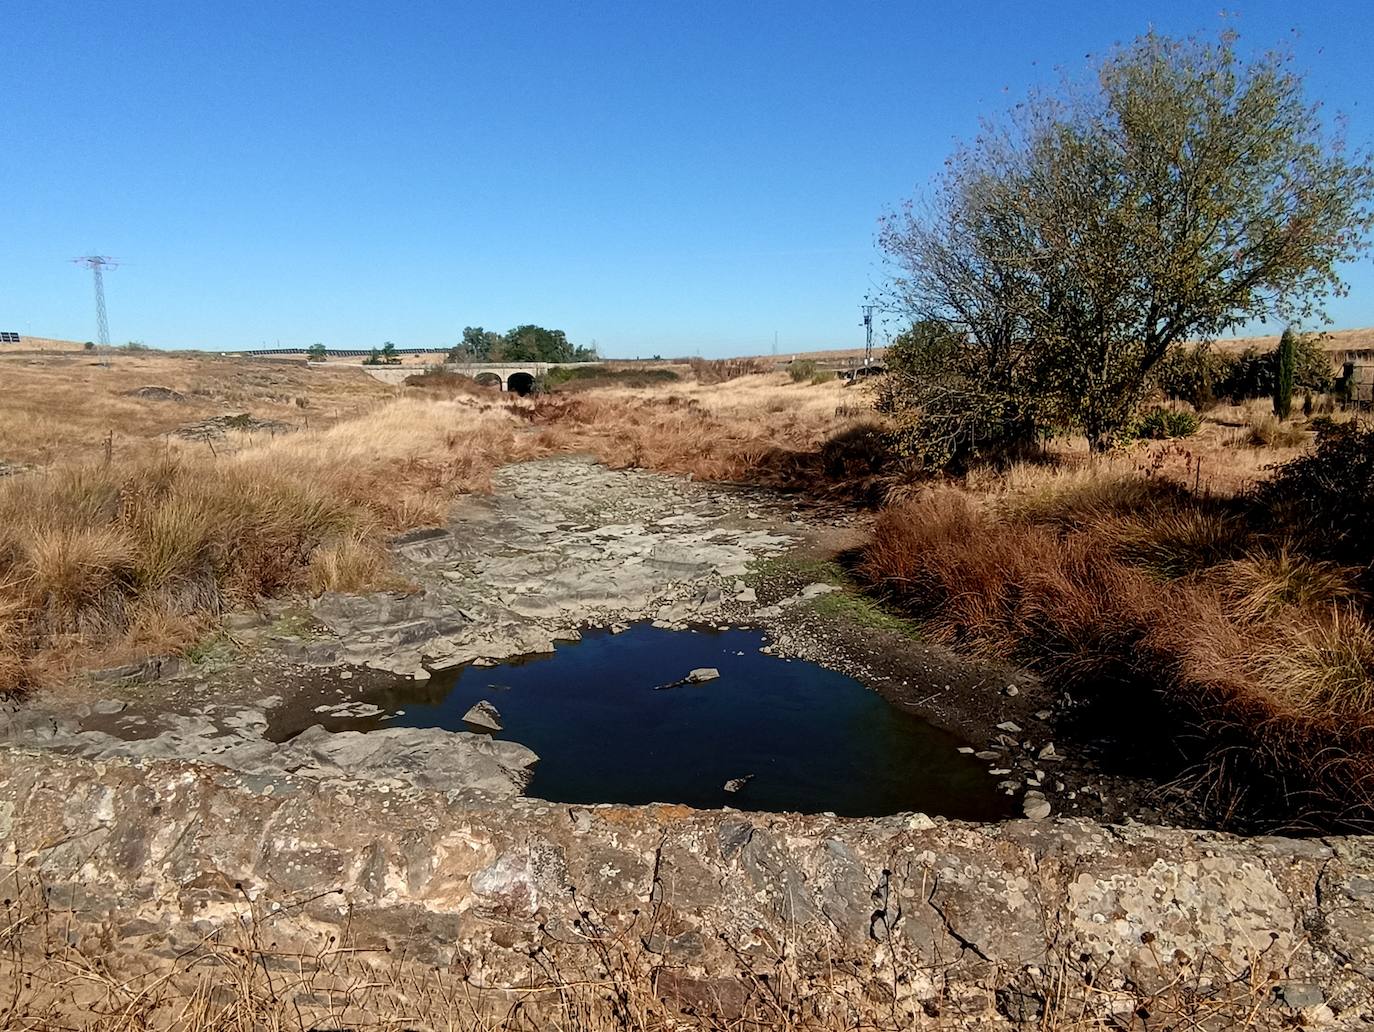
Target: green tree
<point>317,352</point>
<point>389,353</point>
<point>1286,367</point>
<point>954,400</point>
<point>1186,192</point>
<point>530,343</point>
<point>477,345</point>
<point>374,357</point>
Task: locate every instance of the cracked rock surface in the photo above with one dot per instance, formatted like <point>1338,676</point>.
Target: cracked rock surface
<point>985,926</point>
<point>558,544</point>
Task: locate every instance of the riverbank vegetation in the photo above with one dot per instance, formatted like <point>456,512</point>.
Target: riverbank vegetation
<point>1059,279</point>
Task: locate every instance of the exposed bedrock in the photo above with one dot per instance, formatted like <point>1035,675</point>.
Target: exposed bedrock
<point>978,924</point>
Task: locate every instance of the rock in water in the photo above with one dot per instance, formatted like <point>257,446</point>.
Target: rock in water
<point>483,715</point>
<point>1036,806</point>
<point>735,784</point>
<point>702,674</point>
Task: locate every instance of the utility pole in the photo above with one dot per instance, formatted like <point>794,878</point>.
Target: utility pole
<point>98,264</point>
<point>775,342</point>
<point>868,311</point>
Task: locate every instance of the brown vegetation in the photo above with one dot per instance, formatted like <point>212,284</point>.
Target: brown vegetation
<point>124,558</point>
<point>1156,601</point>
<point>124,538</point>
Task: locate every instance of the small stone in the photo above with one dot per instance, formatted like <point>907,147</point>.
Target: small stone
<point>747,595</point>
<point>1043,714</point>
<point>813,590</point>
<point>483,715</point>
<point>109,706</point>
<point>1048,753</point>
<point>1300,996</point>
<point>346,675</point>
<point>967,750</point>
<point>1011,690</point>
<point>1010,727</point>
<point>987,754</point>
<point>1035,806</point>
<point>701,674</point>
<point>736,784</point>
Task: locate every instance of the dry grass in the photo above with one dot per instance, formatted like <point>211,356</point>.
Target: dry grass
<point>102,561</point>
<point>129,540</point>
<point>1111,582</point>
<point>757,429</point>
<point>57,408</point>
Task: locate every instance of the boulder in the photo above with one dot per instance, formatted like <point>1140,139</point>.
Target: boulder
<point>485,716</point>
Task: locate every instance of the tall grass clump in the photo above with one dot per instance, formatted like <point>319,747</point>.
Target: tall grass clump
<point>109,560</point>
<point>1245,619</point>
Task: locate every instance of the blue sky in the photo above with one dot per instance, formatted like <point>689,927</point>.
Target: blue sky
<point>658,177</point>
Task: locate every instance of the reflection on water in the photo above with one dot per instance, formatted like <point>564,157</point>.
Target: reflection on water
<point>806,738</point>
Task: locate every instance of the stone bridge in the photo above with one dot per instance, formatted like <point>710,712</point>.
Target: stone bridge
<point>508,376</point>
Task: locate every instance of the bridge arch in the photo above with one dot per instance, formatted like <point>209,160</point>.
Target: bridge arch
<point>520,382</point>
<point>486,378</point>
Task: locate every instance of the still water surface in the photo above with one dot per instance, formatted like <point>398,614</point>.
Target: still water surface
<point>813,740</point>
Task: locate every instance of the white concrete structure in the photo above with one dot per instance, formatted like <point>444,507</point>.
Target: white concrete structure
<point>502,371</point>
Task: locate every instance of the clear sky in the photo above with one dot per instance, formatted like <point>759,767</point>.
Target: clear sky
<point>676,177</point>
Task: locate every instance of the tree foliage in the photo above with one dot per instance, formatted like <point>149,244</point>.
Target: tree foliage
<point>317,352</point>
<point>953,400</point>
<point>1185,192</point>
<point>526,343</point>
<point>1202,376</point>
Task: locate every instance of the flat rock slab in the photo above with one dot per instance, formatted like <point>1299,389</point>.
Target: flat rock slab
<point>150,858</point>
<point>449,761</point>
<point>559,543</point>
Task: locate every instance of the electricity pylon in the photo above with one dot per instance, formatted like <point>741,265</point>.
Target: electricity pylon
<point>98,263</point>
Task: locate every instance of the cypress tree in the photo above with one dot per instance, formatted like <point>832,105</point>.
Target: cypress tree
<point>1283,375</point>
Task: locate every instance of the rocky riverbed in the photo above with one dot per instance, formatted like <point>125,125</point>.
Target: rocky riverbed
<point>151,804</point>
<point>560,545</point>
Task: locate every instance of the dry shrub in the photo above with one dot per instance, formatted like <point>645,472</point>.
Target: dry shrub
<point>719,370</point>
<point>445,381</point>
<point>1267,431</point>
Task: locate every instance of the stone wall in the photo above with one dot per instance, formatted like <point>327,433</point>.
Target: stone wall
<point>926,922</point>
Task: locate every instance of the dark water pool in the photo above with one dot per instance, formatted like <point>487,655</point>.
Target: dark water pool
<point>812,739</point>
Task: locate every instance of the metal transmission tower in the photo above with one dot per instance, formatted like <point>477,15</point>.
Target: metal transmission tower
<point>868,311</point>
<point>98,263</point>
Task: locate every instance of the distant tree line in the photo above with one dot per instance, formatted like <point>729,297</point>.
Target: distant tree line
<point>527,343</point>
